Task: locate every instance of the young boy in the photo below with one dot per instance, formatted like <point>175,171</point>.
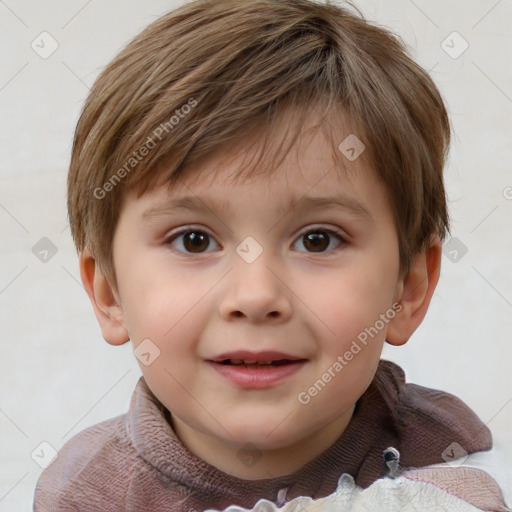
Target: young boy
<point>257,198</point>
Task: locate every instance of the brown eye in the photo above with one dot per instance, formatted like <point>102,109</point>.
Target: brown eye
<point>316,242</point>
<point>320,240</point>
<point>196,241</point>
<point>192,242</point>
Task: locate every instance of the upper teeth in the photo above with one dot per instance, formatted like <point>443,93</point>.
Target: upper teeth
<point>248,361</point>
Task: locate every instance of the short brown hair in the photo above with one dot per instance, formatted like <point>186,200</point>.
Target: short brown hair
<point>219,68</point>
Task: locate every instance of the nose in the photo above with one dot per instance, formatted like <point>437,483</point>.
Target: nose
<point>256,292</point>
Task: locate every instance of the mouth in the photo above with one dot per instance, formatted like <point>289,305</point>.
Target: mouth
<point>256,369</point>
<point>255,359</point>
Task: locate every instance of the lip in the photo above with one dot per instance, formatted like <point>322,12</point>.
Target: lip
<point>256,377</point>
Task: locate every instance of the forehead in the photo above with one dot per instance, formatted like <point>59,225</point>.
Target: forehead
<point>302,157</point>
<point>319,152</point>
<point>312,185</point>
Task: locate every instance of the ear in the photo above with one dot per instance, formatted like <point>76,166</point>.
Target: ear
<point>104,300</point>
<point>414,292</point>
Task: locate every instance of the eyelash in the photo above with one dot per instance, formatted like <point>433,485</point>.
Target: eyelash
<point>191,229</point>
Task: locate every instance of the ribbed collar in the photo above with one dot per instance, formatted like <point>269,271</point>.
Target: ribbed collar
<point>420,422</point>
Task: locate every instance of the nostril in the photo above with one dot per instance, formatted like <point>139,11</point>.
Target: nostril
<point>271,314</point>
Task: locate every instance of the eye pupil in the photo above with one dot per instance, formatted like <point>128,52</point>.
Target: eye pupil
<point>195,240</point>
<point>320,239</point>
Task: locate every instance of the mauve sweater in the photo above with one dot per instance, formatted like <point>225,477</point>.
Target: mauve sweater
<point>135,462</point>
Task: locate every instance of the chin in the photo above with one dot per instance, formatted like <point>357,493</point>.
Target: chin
<point>262,437</point>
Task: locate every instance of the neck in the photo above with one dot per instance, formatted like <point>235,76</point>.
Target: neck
<point>253,463</point>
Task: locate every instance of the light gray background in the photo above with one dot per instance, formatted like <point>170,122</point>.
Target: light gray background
<point>58,376</point>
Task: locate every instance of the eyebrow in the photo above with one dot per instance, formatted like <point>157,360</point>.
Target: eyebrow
<point>195,203</point>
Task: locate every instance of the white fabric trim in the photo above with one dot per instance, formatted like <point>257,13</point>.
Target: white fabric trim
<point>390,495</point>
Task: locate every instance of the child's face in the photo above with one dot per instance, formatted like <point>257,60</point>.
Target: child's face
<point>199,298</point>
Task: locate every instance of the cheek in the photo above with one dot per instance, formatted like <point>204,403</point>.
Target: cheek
<point>346,302</point>
<point>162,301</point>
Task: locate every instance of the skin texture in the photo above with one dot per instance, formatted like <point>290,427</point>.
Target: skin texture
<point>305,300</point>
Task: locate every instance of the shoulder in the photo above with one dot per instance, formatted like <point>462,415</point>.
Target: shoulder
<point>483,478</point>
<point>92,463</point>
<point>470,485</point>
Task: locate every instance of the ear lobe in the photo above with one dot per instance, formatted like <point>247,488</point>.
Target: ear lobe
<point>414,293</point>
<point>104,300</point>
